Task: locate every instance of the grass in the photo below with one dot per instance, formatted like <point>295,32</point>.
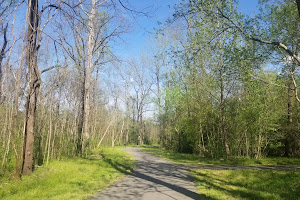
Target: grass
<point>71,178</point>
<point>194,159</point>
<point>247,184</point>
<point>240,184</point>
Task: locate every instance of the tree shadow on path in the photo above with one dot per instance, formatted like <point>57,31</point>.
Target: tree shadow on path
<point>156,169</point>
<point>158,179</point>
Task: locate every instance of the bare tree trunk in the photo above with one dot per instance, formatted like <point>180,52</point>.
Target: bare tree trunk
<point>121,133</point>
<point>79,143</point>
<point>49,134</point>
<point>298,5</point>
<point>106,131</point>
<point>222,104</point>
<point>6,125</point>
<point>288,137</point>
<point>113,138</point>
<point>17,152</point>
<point>246,144</point>
<point>127,135</point>
<point>2,54</point>
<point>222,114</point>
<point>34,85</point>
<point>88,73</point>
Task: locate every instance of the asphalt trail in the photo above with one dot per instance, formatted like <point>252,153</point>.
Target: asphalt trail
<point>154,179</point>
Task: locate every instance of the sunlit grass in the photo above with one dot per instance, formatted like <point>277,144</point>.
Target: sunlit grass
<point>196,159</point>
<point>247,184</point>
<point>71,178</point>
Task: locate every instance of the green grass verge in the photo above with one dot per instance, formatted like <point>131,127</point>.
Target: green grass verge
<point>195,159</point>
<point>71,178</point>
<point>247,184</point>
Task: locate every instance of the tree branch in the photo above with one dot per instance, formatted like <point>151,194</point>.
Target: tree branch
<point>295,85</point>
<point>48,69</point>
<point>275,43</point>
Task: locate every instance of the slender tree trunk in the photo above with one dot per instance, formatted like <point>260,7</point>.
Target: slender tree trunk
<point>34,85</point>
<point>17,151</point>
<point>6,125</point>
<point>121,133</point>
<point>2,54</point>
<point>127,136</point>
<point>80,120</point>
<point>113,138</point>
<point>106,131</point>
<point>288,137</point>
<point>222,104</point>
<point>246,144</point>
<point>49,135</point>
<point>298,5</point>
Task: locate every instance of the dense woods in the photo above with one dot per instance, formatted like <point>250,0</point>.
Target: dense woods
<point>233,88</point>
<point>213,81</point>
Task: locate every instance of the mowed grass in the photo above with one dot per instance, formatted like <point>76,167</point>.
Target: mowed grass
<point>247,184</point>
<point>71,178</point>
<point>239,184</point>
<point>194,159</point>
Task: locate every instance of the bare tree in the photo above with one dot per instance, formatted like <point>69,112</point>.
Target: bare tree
<point>34,38</point>
<point>141,84</point>
<point>34,85</point>
<point>94,55</point>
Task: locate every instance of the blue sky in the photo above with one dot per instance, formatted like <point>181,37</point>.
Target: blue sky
<point>136,40</point>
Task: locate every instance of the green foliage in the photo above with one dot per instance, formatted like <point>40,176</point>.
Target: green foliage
<point>227,88</point>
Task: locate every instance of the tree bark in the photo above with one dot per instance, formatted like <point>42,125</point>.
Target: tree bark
<point>88,73</point>
<point>2,55</point>
<point>298,5</point>
<point>222,102</point>
<point>34,85</point>
<point>222,112</point>
<point>288,137</point>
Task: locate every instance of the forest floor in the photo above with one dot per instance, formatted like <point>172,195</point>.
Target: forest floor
<point>240,178</point>
<point>76,178</point>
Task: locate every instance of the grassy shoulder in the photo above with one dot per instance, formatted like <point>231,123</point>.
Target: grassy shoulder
<point>247,184</point>
<point>193,159</point>
<point>72,178</point>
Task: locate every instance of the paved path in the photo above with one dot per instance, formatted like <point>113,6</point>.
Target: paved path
<point>154,179</point>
